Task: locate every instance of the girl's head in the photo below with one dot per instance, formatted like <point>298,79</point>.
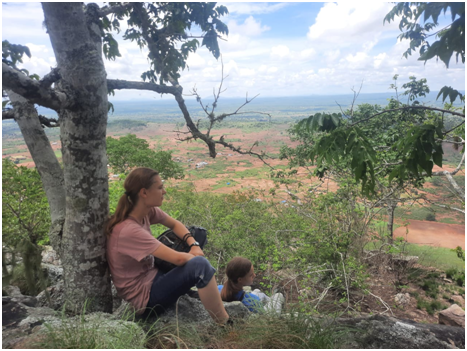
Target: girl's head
<point>240,273</point>
<point>142,184</point>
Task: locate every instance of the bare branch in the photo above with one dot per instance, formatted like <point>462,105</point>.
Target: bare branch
<point>450,207</point>
<point>449,131</point>
<point>48,122</point>
<point>355,96</point>
<point>8,114</point>
<point>238,150</point>
<point>453,172</point>
<point>45,121</point>
<point>32,89</point>
<point>118,84</point>
<point>409,108</point>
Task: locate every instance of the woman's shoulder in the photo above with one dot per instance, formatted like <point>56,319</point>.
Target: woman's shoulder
<point>129,228</point>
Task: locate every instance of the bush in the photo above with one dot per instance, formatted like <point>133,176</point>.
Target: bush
<point>431,287</point>
<point>430,217</point>
<point>450,273</point>
<point>275,235</point>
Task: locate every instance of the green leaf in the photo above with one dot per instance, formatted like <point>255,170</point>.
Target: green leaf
<point>438,159</point>
<point>393,174</point>
<point>360,170</point>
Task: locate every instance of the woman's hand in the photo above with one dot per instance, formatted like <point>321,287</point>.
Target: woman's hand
<point>196,251</point>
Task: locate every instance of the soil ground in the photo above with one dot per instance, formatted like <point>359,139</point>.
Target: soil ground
<point>433,234</point>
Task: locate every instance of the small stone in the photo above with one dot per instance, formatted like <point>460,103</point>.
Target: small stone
<point>454,316</point>
<point>402,299</point>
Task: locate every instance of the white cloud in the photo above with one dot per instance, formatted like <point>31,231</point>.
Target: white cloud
<point>350,23</point>
<point>280,51</point>
<point>272,69</point>
<point>245,8</point>
<point>249,28</point>
<point>195,61</point>
<point>307,53</point>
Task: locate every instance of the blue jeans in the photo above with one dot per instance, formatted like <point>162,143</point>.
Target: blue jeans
<point>168,287</point>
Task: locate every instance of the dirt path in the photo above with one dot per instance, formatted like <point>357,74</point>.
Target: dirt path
<point>433,234</point>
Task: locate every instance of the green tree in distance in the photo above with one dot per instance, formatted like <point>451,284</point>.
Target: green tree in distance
<point>130,151</point>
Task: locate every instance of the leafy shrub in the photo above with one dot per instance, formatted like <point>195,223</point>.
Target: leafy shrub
<point>451,272</point>
<point>275,235</point>
<point>430,217</point>
<point>431,287</point>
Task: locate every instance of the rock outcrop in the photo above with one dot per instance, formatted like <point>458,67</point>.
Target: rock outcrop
<point>383,332</point>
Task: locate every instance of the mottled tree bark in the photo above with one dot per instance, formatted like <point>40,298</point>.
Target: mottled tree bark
<point>76,41</point>
<point>46,163</point>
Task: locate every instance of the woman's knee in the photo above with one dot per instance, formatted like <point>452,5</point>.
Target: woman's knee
<point>202,269</point>
<point>198,263</point>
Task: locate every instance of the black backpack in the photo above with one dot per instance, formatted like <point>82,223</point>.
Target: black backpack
<point>171,240</point>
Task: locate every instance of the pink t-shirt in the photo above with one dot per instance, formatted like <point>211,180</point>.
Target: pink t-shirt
<point>129,249</point>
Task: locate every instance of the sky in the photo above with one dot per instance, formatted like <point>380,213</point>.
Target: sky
<point>273,49</point>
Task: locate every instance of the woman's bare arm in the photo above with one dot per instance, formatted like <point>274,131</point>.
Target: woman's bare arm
<point>167,254</point>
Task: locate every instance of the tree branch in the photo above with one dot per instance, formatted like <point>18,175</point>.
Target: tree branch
<point>118,84</point>
<point>408,108</point>
<point>50,78</point>
<point>8,114</point>
<point>450,207</point>
<point>32,89</point>
<point>48,122</point>
<point>107,10</point>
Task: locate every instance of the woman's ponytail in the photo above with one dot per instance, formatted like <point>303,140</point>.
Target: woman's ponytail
<point>138,179</point>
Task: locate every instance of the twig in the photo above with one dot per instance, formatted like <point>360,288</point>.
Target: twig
<point>323,294</point>
<point>388,308</point>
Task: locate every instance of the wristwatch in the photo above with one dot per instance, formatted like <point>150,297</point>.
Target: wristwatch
<point>194,244</point>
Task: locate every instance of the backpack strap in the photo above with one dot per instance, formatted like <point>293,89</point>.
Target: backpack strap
<point>242,296</point>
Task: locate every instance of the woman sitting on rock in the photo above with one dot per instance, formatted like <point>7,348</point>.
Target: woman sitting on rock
<point>131,249</point>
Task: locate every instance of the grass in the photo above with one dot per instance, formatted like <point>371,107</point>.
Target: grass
<point>212,170</point>
<point>439,257</point>
<point>293,330</point>
<point>97,331</point>
<point>258,173</point>
<point>223,183</point>
<point>290,331</point>
<point>429,256</point>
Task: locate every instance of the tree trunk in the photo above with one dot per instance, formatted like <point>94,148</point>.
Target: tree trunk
<point>46,163</point>
<point>76,41</point>
<point>391,209</point>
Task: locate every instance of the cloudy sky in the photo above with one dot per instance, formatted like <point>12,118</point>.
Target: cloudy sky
<point>273,49</point>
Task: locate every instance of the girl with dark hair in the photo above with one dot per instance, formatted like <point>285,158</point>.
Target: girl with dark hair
<point>240,273</point>
<point>131,250</point>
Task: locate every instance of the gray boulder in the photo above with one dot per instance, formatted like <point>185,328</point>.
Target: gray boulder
<point>20,323</point>
<point>24,327</point>
<point>383,332</point>
<point>186,310</point>
<point>54,273</point>
<point>57,296</point>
